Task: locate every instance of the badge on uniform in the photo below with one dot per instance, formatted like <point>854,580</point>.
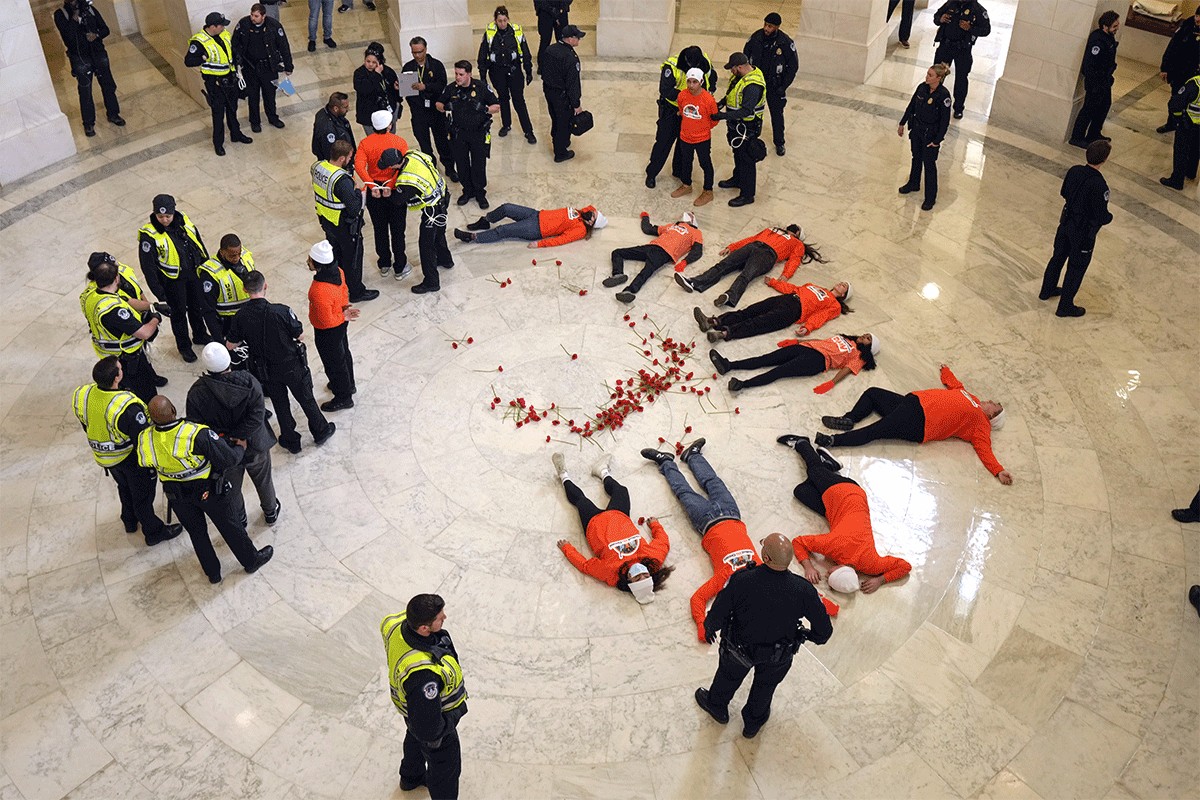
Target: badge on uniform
<point>1106,195</point>
<point>1096,50</point>
<point>331,137</point>
<point>929,101</point>
<point>123,313</point>
<point>430,690</point>
<point>778,51</point>
<point>145,247</point>
<point>141,418</point>
<point>208,286</point>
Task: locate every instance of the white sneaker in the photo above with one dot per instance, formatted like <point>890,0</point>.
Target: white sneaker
<point>603,468</point>
<point>560,465</point>
<point>383,271</point>
<point>404,273</point>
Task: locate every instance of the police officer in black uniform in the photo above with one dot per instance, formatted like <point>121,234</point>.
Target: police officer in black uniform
<point>666,133</point>
<point>1085,213</point>
<point>960,23</point>
<point>83,31</point>
<point>332,124</point>
<point>501,59</point>
<point>272,333</point>
<point>1180,60</point>
<point>469,105</point>
<point>428,124</point>
<point>774,52</point>
<point>928,119</point>
<point>262,49</point>
<point>552,17</point>
<point>212,51</point>
<point>1099,64</point>
<point>758,614</point>
<point>743,112</point>
<point>1185,107</point>
<point>564,93</point>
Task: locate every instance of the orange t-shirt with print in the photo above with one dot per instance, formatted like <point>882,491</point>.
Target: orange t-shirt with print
<point>695,116</point>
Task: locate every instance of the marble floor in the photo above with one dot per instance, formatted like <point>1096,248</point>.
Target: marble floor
<point>1041,647</point>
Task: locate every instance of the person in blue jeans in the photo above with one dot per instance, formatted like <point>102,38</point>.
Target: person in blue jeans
<point>325,9</point>
<point>701,511</point>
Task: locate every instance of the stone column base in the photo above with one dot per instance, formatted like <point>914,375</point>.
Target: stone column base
<point>444,24</point>
<point>635,28</point>
<point>842,41</point>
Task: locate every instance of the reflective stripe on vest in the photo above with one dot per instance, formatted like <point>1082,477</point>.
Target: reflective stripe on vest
<point>170,452</point>
<point>168,254</point>
<point>490,33</point>
<point>233,293</point>
<point>217,59</point>
<point>733,98</point>
<point>420,173</point>
<point>325,176</point>
<point>98,411</point>
<point>1193,108</point>
<point>403,661</point>
<point>95,305</point>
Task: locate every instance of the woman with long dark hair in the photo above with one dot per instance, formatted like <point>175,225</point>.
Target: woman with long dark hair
<point>754,256</point>
<point>807,305</point>
<point>376,88</point>
<point>848,353</point>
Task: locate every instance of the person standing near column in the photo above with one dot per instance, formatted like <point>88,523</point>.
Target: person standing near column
<point>906,18</point>
<point>83,31</point>
<point>1185,107</point>
<point>552,17</point>
<point>263,52</point>
<point>339,210</point>
<point>1085,213</point>
<point>960,24</point>
<point>503,54</point>
<point>928,119</point>
<point>389,218</point>
<point>428,125</point>
<point>212,51</point>
<point>1099,64</point>
<point>469,104</point>
<point>323,9</point>
<point>774,52</point>
<point>744,102</point>
<point>330,313</point>
<point>1180,60</point>
<point>561,72</point>
<point>420,187</point>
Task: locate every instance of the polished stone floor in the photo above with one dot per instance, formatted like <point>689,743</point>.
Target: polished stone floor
<point>1041,647</point>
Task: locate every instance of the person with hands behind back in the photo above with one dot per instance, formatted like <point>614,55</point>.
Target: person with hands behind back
<point>330,313</point>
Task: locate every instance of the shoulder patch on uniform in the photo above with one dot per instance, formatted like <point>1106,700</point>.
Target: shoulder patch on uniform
<point>430,690</point>
<point>208,286</point>
<point>192,49</point>
<point>1182,89</point>
<point>141,418</point>
<point>123,313</point>
<point>281,31</point>
<point>947,102</point>
<point>332,138</point>
<point>1106,195</point>
<point>211,435</point>
<point>666,72</point>
<point>793,47</point>
<point>145,247</point>
<point>1096,50</point>
<point>293,313</point>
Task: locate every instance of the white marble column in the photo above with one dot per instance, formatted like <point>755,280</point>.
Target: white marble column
<point>840,39</point>
<point>34,132</point>
<point>1041,89</point>
<point>184,19</point>
<point>635,28</point>
<point>444,24</point>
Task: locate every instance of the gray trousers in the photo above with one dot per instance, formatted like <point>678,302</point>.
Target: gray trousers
<point>258,464</point>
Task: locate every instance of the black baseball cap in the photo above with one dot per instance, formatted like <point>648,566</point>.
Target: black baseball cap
<point>98,258</point>
<point>164,204</point>
<point>389,158</point>
<point>570,30</point>
<point>736,60</point>
<point>773,19</point>
<point>215,18</point>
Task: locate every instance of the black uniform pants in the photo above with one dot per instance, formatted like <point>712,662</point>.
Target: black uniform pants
<point>347,252</point>
<point>187,303</point>
<point>259,79</point>
<point>666,134</point>
<point>924,159</point>
<point>1073,245</point>
<point>298,381</point>
<point>819,478</point>
<point>560,121</point>
<point>618,500</point>
<point>139,375</point>
<point>731,673</point>
<point>223,101</point>
<point>136,486</point>
<point>776,102</point>
<point>549,22</point>
<point>654,257</point>
<point>958,54</point>
<point>906,16</point>
<point>741,135</point>
<point>194,508</point>
<point>1186,153</point>
<point>754,260</point>
<point>510,86</point>
<point>439,766</point>
<point>772,314</point>
<point>389,221</point>
<point>703,153</point>
<point>902,418</point>
<point>429,126</point>
<point>793,361</point>
<point>1096,102</point>
<point>432,245</point>
<point>470,160</point>
<point>333,345</point>
<point>108,90</point>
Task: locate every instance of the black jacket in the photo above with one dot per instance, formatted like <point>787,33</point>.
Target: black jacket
<point>561,73</point>
<point>467,106</point>
<point>1099,59</point>
<point>328,129</point>
<point>231,403</point>
<point>928,114</point>
<point>83,55</point>
<point>1086,193</point>
<point>374,91</point>
<point>433,75</point>
<point>1182,55</point>
<point>279,52</point>
<point>762,606</point>
<point>969,11</point>
<point>776,57</point>
<point>426,720</point>
<point>668,91</point>
<point>502,56</point>
<point>270,332</point>
<point>189,256</point>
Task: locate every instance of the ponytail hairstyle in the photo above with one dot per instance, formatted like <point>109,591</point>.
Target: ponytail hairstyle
<point>863,352</point>
<point>942,70</point>
<point>811,252</point>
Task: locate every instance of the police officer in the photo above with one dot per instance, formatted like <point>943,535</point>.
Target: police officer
<point>469,105</point>
<point>744,102</point>
<point>960,23</point>
<point>928,119</point>
<point>128,288</point>
<point>1180,60</point>
<point>272,333</point>
<point>231,403</point>
<point>673,80</point>
<point>428,690</point>
<point>1099,64</point>
<point>112,419</point>
<point>419,186</point>
<point>502,54</point>
<point>758,614</point>
<point>561,85</point>
<point>83,31</point>
<point>429,125</point>
<point>262,50</point>
<point>1185,107</point>
<point>221,282</point>
<point>552,17</point>
<point>774,52</point>
<point>191,460</point>
<point>1085,213</point>
<point>212,51</point>
<point>118,326</point>
<point>330,125</point>
<point>339,210</point>
<point>170,249</point>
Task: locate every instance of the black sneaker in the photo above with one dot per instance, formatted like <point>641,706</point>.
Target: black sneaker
<point>463,199</point>
<point>614,280</point>
<point>337,404</point>
<point>529,137</point>
<point>651,182</point>
<point>791,440</point>
<point>117,120</point>
<point>626,297</point>
<point>89,131</point>
<point>214,578</point>
<point>823,440</point>
<point>838,423</point>
<point>1046,294</point>
<point>272,516</point>
<point>721,715</point>
<point>423,288</point>
<point>736,385</point>
<point>160,381</point>
<point>831,463</point>
<point>703,320</point>
<point>463,236</point>
<point>264,555</point>
<point>294,449</point>
<point>927,205</point>
<point>1184,515</point>
<point>131,527</point>
<point>324,437</point>
<point>1194,597</point>
<point>368,5</point>
<point>1070,311</point>
<point>242,138</point>
<point>254,128</point>
<point>684,282</point>
<point>480,224</point>
<point>168,533</point>
<point>909,188</point>
<point>278,123</point>
<point>483,202</point>
<point>343,8</point>
<point>365,297</point>
<point>189,355</point>
<point>567,156</point>
<point>505,131</point>
<point>692,449</point>
<point>330,43</point>
<point>657,456</point>
<point>727,184</point>
<point>719,361</point>
<point>312,46</point>
<point>958,114</point>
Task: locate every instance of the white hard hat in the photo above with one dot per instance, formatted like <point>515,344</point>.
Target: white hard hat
<point>215,357</point>
<point>875,346</point>
<point>321,252</point>
<point>844,579</point>
<point>601,221</point>
<point>381,120</point>
<point>695,73</point>
<point>998,420</point>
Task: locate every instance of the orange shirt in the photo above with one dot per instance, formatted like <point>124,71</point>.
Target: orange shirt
<point>954,413</point>
<point>677,239</point>
<point>614,539</point>
<point>839,352</point>
<point>850,540</point>
<point>327,303</point>
<point>786,246</point>
<point>695,112</point>
<point>369,151</point>
<point>817,305</point>
<point>729,547</point>
<point>561,225</point>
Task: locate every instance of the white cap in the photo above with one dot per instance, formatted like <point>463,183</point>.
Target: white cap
<point>321,252</point>
<point>844,579</point>
<point>381,120</point>
<point>601,221</point>
<point>697,74</point>
<point>998,420</point>
<point>849,291</point>
<point>643,590</point>
<point>875,346</point>
<point>215,357</point>
<point>689,217</point>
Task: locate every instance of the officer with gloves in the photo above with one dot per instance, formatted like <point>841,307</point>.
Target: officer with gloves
<point>221,282</point>
<point>121,321</point>
<point>339,210</point>
<point>744,102</point>
<point>420,187</point>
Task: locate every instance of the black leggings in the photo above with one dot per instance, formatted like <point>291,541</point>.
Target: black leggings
<point>820,478</point>
<point>902,418</point>
<point>618,500</point>
<point>793,361</point>
<point>654,257</point>
<point>773,314</point>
